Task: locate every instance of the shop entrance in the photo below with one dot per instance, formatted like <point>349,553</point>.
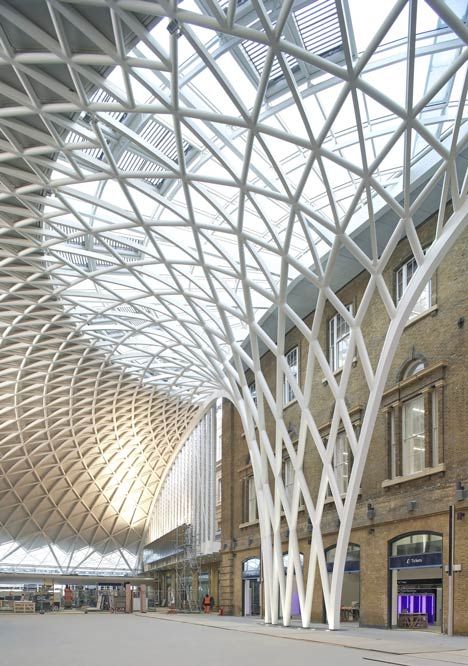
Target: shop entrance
<point>251,586</point>
<point>295,605</point>
<point>416,579</point>
<point>251,597</point>
<point>203,586</point>
<point>350,596</point>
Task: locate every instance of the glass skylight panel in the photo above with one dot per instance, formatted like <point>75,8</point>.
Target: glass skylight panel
<point>282,151</point>
<point>257,54</point>
<point>52,559</point>
<point>318,31</point>
<point>104,98</point>
<point>71,258</point>
<point>211,96</point>
<point>366,16</point>
<point>245,87</point>
<point>319,27</point>
<point>224,4</point>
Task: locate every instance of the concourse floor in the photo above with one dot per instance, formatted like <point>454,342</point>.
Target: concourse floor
<point>60,639</point>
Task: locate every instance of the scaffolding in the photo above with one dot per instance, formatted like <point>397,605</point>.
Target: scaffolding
<point>187,568</point>
<point>178,551</point>
<point>184,519</point>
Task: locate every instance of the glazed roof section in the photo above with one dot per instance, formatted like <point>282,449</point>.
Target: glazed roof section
<point>173,189</point>
<point>231,136</point>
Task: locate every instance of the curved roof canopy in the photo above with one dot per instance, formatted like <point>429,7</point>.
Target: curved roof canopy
<point>169,173</point>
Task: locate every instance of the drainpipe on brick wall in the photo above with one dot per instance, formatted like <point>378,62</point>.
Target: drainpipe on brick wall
<point>450,569</point>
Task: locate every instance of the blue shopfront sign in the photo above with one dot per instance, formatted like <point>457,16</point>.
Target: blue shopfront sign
<point>351,566</point>
<point>251,575</point>
<point>409,561</point>
<point>251,568</point>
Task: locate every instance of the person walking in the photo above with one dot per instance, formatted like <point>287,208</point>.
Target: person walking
<point>207,603</point>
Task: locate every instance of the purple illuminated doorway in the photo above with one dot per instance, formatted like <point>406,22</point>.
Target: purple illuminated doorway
<point>416,581</point>
<point>418,603</point>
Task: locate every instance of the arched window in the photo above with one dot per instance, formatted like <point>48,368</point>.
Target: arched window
<point>251,568</point>
<point>416,550</point>
<point>417,544</point>
<point>413,368</point>
<point>353,558</point>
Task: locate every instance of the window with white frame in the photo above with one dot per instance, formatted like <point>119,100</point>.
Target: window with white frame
<point>219,488</point>
<point>253,514</point>
<point>393,446</point>
<point>342,461</point>
<point>413,440</point>
<point>253,391</point>
<point>435,427</point>
<point>414,412</point>
<point>338,339</point>
<point>403,277</point>
<point>288,478</point>
<point>249,508</point>
<point>292,359</point>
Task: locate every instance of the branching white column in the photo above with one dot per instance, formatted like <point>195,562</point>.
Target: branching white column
<point>267,458</point>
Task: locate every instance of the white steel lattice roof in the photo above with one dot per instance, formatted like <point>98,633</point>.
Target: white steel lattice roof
<point>83,446</point>
<point>168,172</point>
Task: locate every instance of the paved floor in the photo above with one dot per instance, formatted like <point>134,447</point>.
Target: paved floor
<point>160,639</point>
<point>350,635</point>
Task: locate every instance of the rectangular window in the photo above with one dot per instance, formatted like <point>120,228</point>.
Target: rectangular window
<point>415,432</point>
<point>413,458</point>
<point>252,500</point>
<point>342,462</point>
<point>435,428</point>
<point>403,278</point>
<point>393,446</point>
<point>338,337</point>
<point>292,359</point>
<point>288,479</point>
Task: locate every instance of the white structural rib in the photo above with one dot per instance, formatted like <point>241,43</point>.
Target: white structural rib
<point>181,183</point>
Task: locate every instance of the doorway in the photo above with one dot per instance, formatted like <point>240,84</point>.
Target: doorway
<point>415,566</point>
<point>295,603</point>
<point>251,597</point>
<point>251,586</point>
<point>351,592</point>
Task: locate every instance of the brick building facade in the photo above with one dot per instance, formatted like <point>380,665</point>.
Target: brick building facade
<point>419,452</point>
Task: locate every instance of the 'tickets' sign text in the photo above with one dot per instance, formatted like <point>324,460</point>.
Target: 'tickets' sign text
<point>423,560</point>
